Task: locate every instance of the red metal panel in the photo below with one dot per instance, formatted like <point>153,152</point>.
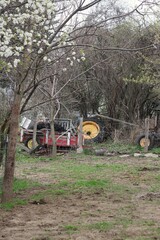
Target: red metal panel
<point>66,140</point>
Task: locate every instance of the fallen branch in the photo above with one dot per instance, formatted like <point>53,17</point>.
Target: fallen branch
<point>23,147</point>
<point>117,120</point>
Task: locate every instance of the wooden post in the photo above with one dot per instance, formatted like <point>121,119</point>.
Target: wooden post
<point>80,137</point>
<point>146,134</point>
<point>53,135</point>
<point>116,135</point>
<point>35,134</point>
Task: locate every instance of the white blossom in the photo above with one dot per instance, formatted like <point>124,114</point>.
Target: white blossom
<point>83,59</point>
<point>40,50</point>
<point>8,53</point>
<point>16,54</point>
<point>45,58</point>
<point>15,63</point>
<point>71,63</point>
<point>9,65</point>
<point>13,25</point>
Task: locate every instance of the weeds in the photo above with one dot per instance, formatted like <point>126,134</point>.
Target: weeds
<point>15,202</point>
<point>101,226</point>
<point>22,184</point>
<point>70,228</point>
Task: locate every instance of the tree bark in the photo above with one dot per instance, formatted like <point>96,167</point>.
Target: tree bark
<point>7,188</point>
<point>3,133</point>
<point>1,147</point>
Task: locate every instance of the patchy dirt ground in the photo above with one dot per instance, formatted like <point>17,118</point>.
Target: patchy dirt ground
<point>124,205</point>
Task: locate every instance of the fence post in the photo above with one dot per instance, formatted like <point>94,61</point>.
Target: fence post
<point>80,137</point>
<point>35,133</point>
<point>146,134</point>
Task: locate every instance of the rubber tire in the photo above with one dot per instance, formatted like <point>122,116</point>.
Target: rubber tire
<point>28,140</point>
<point>40,125</point>
<point>101,135</point>
<point>142,136</point>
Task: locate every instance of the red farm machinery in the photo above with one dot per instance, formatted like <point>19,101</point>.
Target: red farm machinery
<point>65,135</point>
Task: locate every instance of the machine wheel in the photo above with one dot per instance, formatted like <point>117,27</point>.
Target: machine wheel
<point>29,143</point>
<point>93,129</point>
<point>141,141</point>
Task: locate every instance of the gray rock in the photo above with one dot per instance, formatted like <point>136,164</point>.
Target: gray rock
<point>125,155</point>
<point>138,155</point>
<point>151,155</point>
<point>99,152</point>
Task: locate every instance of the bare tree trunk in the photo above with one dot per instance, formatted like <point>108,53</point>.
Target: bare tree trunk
<point>1,147</point>
<point>3,133</point>
<point>7,188</point>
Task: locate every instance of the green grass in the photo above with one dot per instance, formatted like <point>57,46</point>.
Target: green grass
<point>78,176</point>
<point>119,147</point>
<point>93,183</point>
<point>116,167</point>
<point>18,186</point>
<point>48,193</point>
<point>107,186</point>
<point>154,187</point>
<point>15,202</point>
<point>155,150</point>
<point>157,177</point>
<point>75,169</point>
<point>23,184</point>
<point>24,157</point>
<point>70,229</point>
<point>148,223</point>
<point>158,230</point>
<point>91,186</point>
<point>123,148</point>
<point>101,226</point>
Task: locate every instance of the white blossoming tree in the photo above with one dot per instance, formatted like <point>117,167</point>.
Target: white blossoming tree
<point>29,31</point>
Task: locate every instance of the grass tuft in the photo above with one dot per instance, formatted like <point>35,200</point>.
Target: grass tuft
<point>22,184</point>
<point>93,183</point>
<point>71,228</point>
<point>101,226</point>
<point>10,205</point>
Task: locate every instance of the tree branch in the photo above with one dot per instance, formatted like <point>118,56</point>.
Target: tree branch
<point>79,9</point>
